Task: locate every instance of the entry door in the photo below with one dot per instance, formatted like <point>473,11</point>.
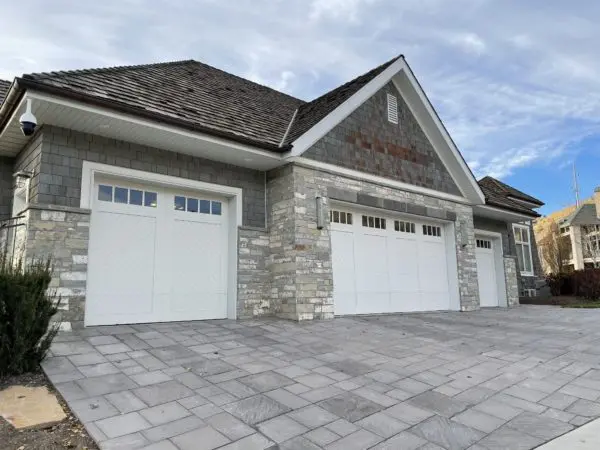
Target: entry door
<point>486,272</point>
<point>155,255</point>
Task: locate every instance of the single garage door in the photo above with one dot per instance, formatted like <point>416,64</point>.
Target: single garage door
<point>385,264</point>
<point>486,272</point>
<point>155,255</point>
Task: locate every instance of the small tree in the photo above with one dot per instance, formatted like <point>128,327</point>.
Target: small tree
<point>554,249</point>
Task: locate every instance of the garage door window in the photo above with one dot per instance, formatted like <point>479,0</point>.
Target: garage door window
<point>342,217</point>
<point>429,230</point>
<point>404,227</point>
<point>195,205</point>
<point>107,193</point>
<point>484,243</point>
<point>373,222</point>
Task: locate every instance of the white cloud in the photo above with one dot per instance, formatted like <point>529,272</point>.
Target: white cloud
<point>515,82</point>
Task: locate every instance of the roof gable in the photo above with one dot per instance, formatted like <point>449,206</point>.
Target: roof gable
<point>585,214</point>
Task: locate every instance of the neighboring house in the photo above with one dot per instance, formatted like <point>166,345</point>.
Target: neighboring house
<point>581,231</point>
<point>177,191</point>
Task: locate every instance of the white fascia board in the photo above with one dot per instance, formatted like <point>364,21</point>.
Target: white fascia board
<point>316,132</point>
<point>494,234</point>
<point>525,202</point>
<point>355,174</point>
<point>500,214</point>
<point>235,146</point>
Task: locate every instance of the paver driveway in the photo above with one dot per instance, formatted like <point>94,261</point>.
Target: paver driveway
<point>493,379</point>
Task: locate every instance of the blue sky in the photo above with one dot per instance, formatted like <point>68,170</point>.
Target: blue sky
<point>516,83</point>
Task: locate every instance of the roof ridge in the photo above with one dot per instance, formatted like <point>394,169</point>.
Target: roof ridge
<point>42,75</point>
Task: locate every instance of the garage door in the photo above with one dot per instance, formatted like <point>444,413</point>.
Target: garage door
<point>155,255</point>
<point>384,264</point>
<point>486,272</point>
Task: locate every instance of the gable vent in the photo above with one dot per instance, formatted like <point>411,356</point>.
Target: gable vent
<point>392,108</point>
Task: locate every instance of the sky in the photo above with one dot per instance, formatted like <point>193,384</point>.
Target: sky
<point>517,83</point>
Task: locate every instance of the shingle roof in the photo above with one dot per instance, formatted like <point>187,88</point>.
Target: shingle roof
<point>188,93</point>
<point>200,97</point>
<point>309,114</point>
<point>498,194</point>
<point>4,85</point>
<point>584,215</point>
<point>516,193</point>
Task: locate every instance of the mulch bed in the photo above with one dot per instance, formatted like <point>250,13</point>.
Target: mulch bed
<point>68,434</point>
<point>566,301</point>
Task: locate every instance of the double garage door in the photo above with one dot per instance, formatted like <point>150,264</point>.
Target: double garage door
<point>155,255</point>
<point>384,264</point>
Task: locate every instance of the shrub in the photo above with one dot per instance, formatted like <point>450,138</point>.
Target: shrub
<point>586,283</point>
<point>26,310</point>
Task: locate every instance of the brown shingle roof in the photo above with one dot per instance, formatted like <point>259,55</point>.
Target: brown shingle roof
<point>196,96</point>
<point>187,93</point>
<point>4,85</point>
<point>499,194</point>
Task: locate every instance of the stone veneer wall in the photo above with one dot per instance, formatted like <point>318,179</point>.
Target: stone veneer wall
<point>254,279</point>
<point>306,289</point>
<point>62,234</point>
<point>512,285</point>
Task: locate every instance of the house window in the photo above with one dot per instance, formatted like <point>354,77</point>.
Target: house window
<point>392,104</point>
<point>523,244</point>
<point>429,230</point>
<point>373,222</point>
<point>342,217</point>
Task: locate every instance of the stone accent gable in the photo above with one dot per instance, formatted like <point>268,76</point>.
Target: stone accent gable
<point>368,142</point>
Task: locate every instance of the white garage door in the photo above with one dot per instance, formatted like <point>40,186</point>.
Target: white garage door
<point>486,272</point>
<point>155,255</point>
<point>384,264</point>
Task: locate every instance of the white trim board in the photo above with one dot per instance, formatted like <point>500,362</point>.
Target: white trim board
<point>351,173</point>
<point>234,195</point>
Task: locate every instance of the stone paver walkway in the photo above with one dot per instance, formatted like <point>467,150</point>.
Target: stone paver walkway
<point>492,379</point>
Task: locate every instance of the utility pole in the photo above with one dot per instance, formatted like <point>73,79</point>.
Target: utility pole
<point>575,185</point>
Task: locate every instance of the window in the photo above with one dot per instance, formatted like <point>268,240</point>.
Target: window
<point>342,217</point>
<point>404,227</point>
<point>564,230</point>
<point>484,243</point>
<point>123,195</point>
<point>430,230</point>
<point>373,222</point>
<point>523,244</point>
<point>392,104</point>
<point>195,205</point>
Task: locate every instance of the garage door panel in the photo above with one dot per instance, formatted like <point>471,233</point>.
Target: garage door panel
<point>121,274</point>
<point>371,263</point>
<point>344,291</point>
<point>486,273</point>
<point>197,267</point>
<point>404,273</point>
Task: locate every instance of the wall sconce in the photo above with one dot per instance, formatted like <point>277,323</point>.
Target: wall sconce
<point>22,178</point>
<point>321,212</point>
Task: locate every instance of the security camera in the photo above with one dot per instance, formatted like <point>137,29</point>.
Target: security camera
<point>28,120</point>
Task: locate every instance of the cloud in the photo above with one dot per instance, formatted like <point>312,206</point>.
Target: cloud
<point>515,82</point>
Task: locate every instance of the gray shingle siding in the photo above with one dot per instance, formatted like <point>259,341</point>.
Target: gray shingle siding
<point>368,142</point>
<point>6,171</point>
<point>63,152</point>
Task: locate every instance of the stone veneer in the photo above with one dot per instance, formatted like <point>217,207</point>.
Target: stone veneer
<point>61,233</point>
<point>512,285</point>
<point>254,279</point>
<point>302,282</point>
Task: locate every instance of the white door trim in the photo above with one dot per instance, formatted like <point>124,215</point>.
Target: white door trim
<point>234,195</point>
<point>499,264</point>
